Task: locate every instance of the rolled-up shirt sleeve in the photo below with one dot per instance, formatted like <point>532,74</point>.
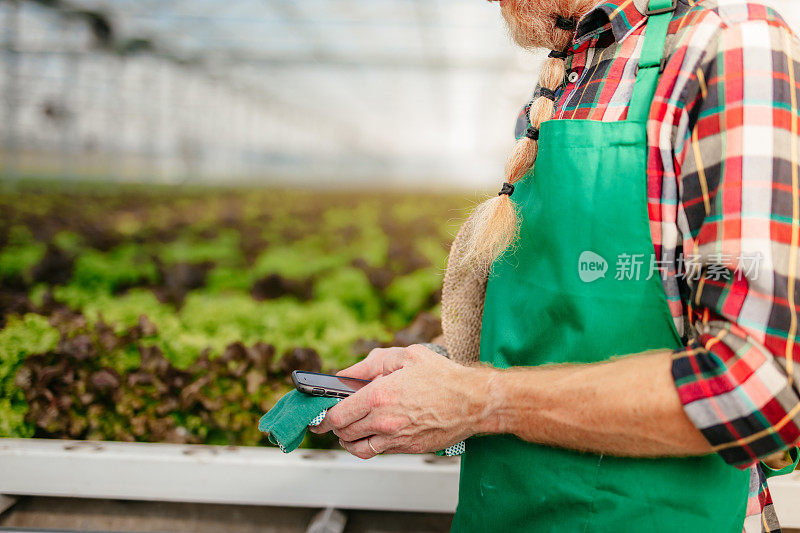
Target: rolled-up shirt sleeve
<point>738,377</point>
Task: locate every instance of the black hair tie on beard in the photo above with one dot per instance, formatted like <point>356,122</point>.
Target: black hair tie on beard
<point>547,93</point>
<point>565,23</point>
<point>507,189</point>
<point>557,54</point>
<point>532,133</point>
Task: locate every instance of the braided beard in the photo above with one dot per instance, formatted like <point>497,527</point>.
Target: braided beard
<point>531,23</point>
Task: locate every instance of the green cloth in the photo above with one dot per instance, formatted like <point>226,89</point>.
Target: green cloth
<point>285,424</point>
<point>554,298</point>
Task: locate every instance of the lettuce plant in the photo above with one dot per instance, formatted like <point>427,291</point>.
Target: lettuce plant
<point>22,336</point>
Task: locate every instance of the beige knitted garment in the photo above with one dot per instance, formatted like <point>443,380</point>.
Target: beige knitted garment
<point>463,292</point>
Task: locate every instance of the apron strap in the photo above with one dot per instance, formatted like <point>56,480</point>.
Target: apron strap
<point>652,61</point>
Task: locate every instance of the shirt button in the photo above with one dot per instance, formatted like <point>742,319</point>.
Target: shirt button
<point>573,77</point>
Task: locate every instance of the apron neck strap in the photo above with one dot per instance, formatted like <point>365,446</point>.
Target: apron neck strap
<point>652,60</point>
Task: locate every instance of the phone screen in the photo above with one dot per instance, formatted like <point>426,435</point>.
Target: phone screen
<point>311,379</point>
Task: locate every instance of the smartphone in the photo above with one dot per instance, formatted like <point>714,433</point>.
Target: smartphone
<point>326,384</point>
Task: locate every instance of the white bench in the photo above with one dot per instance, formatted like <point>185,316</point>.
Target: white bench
<point>227,475</point>
<point>253,476</point>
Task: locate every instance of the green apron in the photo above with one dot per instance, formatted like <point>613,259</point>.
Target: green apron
<point>555,299</point>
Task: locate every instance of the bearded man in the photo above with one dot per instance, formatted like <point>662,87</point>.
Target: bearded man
<point>638,280</point>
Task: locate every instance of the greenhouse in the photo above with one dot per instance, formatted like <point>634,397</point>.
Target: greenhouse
<point>201,201</point>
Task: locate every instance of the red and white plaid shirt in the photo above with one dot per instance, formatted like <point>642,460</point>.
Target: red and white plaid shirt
<point>724,206</point>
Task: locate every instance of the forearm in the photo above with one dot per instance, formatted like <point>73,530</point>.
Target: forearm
<point>626,407</point>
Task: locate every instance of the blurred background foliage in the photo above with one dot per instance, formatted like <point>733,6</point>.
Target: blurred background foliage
<point>163,314</point>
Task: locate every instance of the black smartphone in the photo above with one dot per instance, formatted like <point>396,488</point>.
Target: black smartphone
<point>325,384</point>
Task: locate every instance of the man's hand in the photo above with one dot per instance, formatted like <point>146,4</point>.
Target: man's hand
<point>418,402</point>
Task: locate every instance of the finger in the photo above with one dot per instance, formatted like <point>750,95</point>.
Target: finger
<point>362,449</point>
<point>325,425</point>
<point>371,367</point>
<point>354,407</point>
<point>381,443</point>
<point>396,360</point>
<point>359,448</point>
<point>316,429</point>
<point>372,424</point>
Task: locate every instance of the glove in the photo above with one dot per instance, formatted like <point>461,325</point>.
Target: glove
<point>286,423</point>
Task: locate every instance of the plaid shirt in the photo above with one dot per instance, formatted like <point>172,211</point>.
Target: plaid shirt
<point>724,207</point>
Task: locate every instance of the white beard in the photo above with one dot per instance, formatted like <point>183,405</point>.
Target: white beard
<point>531,23</point>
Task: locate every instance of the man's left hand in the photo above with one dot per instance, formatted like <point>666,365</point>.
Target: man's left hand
<point>418,402</point>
